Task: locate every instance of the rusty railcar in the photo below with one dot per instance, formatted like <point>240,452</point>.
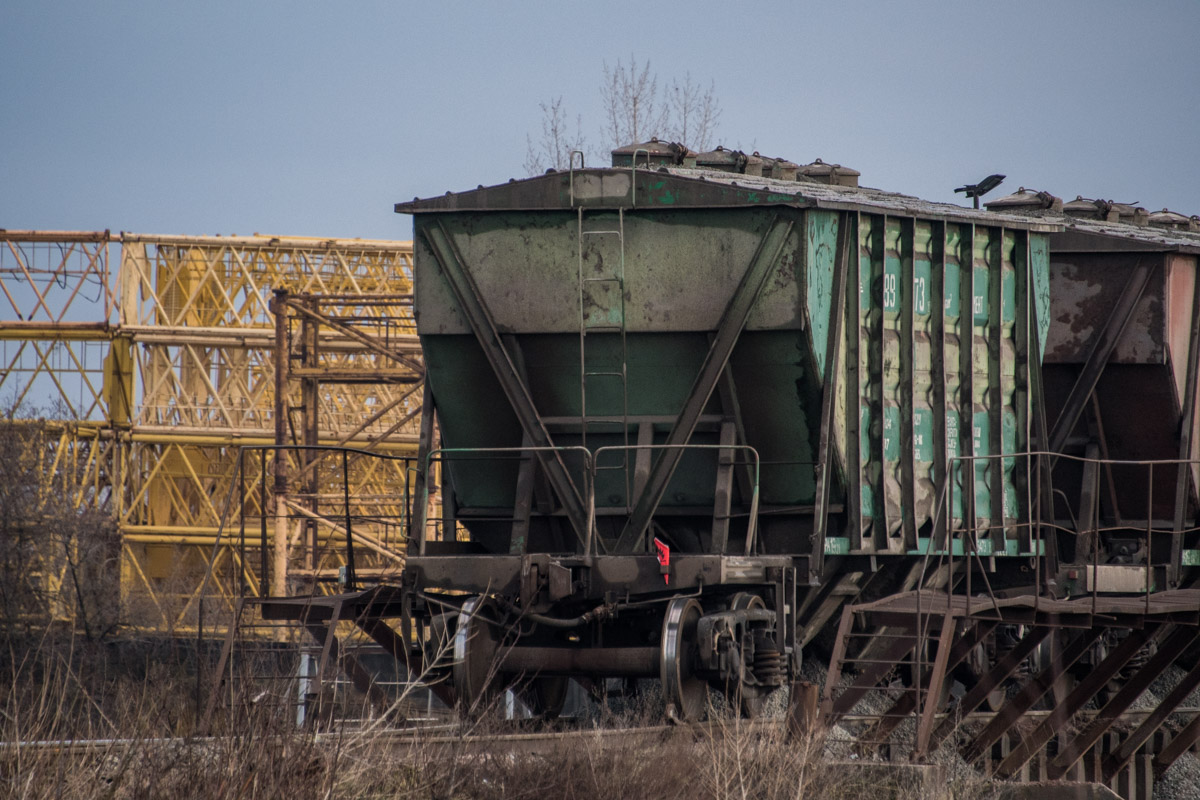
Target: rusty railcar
<point>678,411</point>
<point>1122,367</point>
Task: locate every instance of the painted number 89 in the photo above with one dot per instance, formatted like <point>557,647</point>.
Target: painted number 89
<point>889,291</point>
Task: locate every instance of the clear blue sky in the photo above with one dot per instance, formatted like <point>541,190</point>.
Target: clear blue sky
<point>313,118</point>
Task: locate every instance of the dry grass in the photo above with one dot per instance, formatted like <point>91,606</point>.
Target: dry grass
<point>132,715</point>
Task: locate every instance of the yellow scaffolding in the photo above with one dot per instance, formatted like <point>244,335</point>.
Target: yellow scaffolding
<point>161,373</point>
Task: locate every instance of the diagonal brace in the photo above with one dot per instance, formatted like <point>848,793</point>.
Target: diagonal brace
<point>1102,348</point>
<point>1084,691</point>
<point>1004,667</point>
<point>1030,693</point>
<point>466,292</point>
<point>1072,751</point>
<point>1120,757</point>
<point>766,257</point>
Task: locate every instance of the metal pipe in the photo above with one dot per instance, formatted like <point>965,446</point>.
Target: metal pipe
<point>614,661</point>
<point>278,585</point>
<point>399,442</point>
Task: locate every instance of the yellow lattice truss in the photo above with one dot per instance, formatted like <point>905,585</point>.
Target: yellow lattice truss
<point>163,370</point>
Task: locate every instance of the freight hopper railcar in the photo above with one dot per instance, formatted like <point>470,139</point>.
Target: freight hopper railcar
<point>1121,368</point>
<point>678,410</point>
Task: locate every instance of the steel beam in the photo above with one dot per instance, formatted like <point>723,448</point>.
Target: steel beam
<point>1030,693</point>
<point>386,637</point>
<point>331,651</point>
<point>1180,743</point>
<point>731,410</point>
<point>1084,691</point>
<point>479,317</point>
<point>829,390</point>
<point>884,662</point>
<point>419,508</point>
<point>1120,757</point>
<point>723,502</point>
<point>1183,479</point>
<point>279,557</point>
<point>937,675</point>
<point>770,248</point>
<point>890,719</point>
<point>1004,667</point>
<point>1166,654</point>
<point>314,315</point>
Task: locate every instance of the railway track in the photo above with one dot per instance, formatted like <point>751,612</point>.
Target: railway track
<point>519,739</point>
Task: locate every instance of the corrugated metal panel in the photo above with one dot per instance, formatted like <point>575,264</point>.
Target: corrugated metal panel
<point>936,361</point>
<point>933,358</point>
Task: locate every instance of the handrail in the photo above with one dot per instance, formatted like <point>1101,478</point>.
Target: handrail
<point>589,489</point>
<point>591,461</point>
<point>752,525</point>
<point>348,527</point>
<point>1038,544</point>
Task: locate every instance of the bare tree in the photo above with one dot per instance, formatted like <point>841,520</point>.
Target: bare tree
<point>632,107</point>
<point>553,148</point>
<point>59,547</point>
<point>694,113</point>
<point>635,110</point>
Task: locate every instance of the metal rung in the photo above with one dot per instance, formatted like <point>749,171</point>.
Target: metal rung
<point>604,374</point>
<point>876,661</point>
<point>880,635</point>
<point>613,279</point>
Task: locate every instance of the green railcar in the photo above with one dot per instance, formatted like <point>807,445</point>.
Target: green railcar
<point>670,408</point>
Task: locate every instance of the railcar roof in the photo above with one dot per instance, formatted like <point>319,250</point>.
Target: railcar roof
<point>1090,235</point>
<point>680,187</point>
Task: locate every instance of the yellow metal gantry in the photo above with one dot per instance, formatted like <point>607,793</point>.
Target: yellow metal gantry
<point>157,375</point>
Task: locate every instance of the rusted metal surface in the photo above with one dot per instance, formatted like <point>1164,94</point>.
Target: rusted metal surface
<point>1088,290</point>
<point>682,187</point>
<point>1152,633</point>
<point>1143,401</point>
<point>1100,350</point>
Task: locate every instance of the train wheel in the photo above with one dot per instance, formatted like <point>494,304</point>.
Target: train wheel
<point>474,670</point>
<point>750,700</point>
<point>976,666</point>
<point>684,693</point>
<point>546,695</point>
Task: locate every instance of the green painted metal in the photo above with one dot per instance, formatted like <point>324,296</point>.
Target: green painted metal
<point>1039,256</point>
<point>938,337</point>
<point>839,545</point>
<point>820,240</point>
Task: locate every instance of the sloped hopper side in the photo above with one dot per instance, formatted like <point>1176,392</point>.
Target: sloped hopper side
<point>936,316</point>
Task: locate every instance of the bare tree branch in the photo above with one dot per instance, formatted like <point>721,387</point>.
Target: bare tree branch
<point>632,108</point>
<point>635,111</point>
<point>553,148</point>
<point>694,113</point>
